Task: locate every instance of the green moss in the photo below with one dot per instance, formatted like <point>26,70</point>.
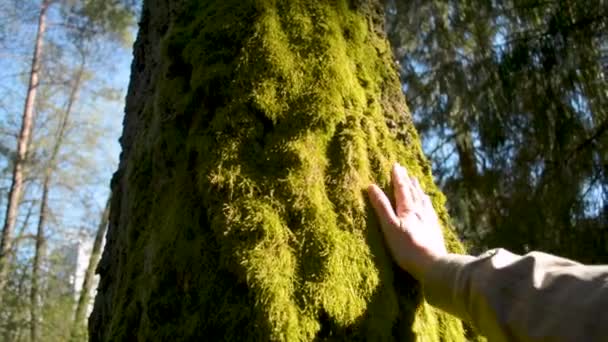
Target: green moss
<point>249,218</point>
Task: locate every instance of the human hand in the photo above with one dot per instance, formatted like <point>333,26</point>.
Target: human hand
<point>412,232</point>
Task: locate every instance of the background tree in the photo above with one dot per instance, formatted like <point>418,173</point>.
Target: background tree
<point>63,178</point>
<point>84,298</point>
<point>238,212</point>
<point>83,20</point>
<point>510,98</point>
<point>48,173</point>
<point>27,121</point>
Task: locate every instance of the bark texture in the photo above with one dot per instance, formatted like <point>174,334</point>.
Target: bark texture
<point>252,130</point>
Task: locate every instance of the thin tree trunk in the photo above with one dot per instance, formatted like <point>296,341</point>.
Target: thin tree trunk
<point>21,235</point>
<point>470,194</point>
<point>463,141</point>
<point>87,283</point>
<point>24,139</point>
<point>15,334</point>
<point>38,256</point>
<point>466,156</point>
<point>40,252</point>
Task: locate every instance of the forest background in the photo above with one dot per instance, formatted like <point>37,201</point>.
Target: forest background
<point>509,98</point>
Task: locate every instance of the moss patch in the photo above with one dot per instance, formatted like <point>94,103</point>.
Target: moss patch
<point>248,218</point>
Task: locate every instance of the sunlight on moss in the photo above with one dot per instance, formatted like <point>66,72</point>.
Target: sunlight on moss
<point>251,219</point>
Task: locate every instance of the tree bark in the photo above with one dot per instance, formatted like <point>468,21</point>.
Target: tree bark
<point>16,188</point>
<point>39,253</point>
<point>252,130</point>
<point>87,283</point>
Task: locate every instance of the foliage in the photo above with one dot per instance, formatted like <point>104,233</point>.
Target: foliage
<point>511,98</point>
<point>91,18</point>
<point>241,213</point>
<point>58,304</point>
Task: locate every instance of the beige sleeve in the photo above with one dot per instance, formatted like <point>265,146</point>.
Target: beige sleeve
<point>535,297</point>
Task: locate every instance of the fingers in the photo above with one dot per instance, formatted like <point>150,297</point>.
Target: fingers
<point>401,187</point>
<point>422,199</point>
<point>420,196</point>
<point>382,206</point>
<point>408,196</point>
<point>417,192</point>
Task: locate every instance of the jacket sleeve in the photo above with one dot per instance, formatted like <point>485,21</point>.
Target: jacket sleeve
<point>535,297</point>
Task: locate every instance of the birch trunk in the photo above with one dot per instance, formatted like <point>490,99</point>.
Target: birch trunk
<point>40,251</point>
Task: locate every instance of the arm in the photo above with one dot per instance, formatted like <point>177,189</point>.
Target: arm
<point>537,297</point>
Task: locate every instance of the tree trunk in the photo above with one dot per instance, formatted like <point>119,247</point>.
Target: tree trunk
<point>87,283</point>
<point>14,334</point>
<point>252,130</point>
<point>40,251</point>
<point>16,188</point>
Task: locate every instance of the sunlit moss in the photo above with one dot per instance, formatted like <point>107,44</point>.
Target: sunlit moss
<point>248,217</point>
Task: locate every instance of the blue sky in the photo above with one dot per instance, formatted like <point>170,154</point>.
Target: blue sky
<point>97,122</point>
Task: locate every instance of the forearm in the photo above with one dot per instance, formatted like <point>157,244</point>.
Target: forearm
<point>522,298</point>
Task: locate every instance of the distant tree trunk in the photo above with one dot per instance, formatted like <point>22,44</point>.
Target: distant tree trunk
<point>87,284</point>
<point>468,194</point>
<point>21,232</point>
<point>466,157</point>
<point>16,188</point>
<point>252,130</point>
<point>40,251</point>
<point>14,334</point>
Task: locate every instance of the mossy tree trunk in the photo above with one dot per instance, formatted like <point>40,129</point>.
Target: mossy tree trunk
<point>252,130</point>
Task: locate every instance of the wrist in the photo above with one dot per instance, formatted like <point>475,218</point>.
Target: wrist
<point>422,265</point>
<point>441,281</point>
